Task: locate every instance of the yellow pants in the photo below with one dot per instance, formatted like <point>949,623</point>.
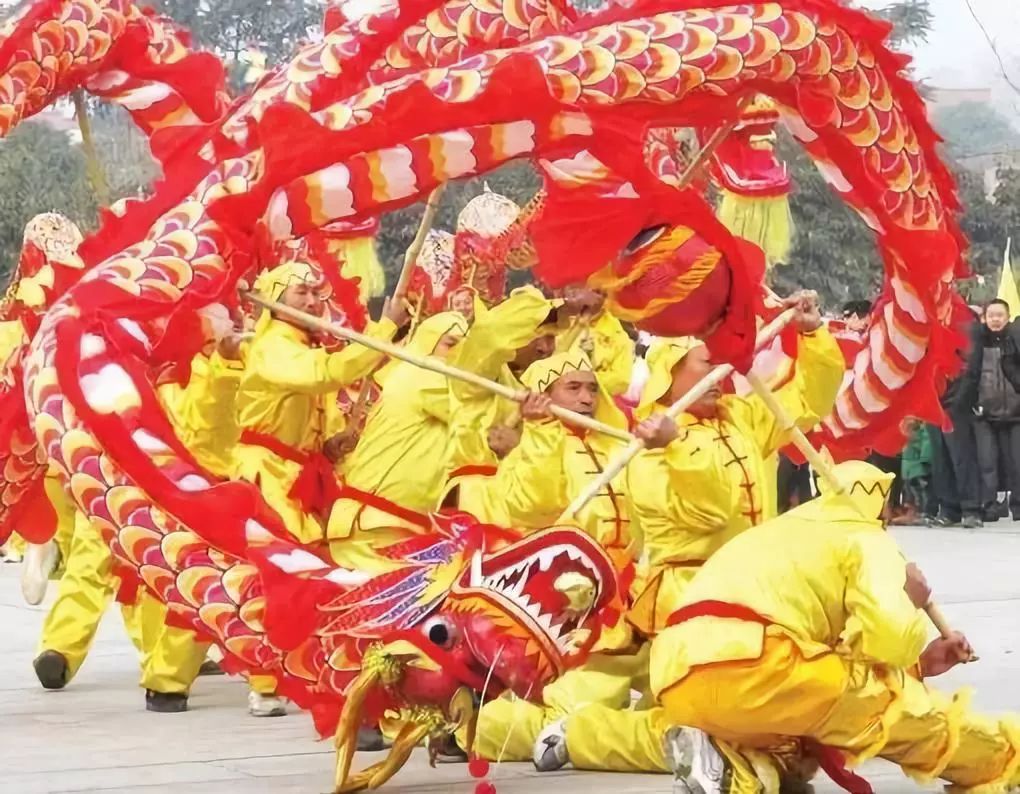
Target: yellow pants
<point>66,512</point>
<point>860,709</point>
<point>605,679</point>
<point>170,656</point>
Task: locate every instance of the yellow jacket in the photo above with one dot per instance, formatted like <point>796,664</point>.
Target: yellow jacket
<point>691,498</point>
<point>821,575</point>
<point>288,391</point>
<point>612,351</point>
<point>490,345</point>
<point>203,412</point>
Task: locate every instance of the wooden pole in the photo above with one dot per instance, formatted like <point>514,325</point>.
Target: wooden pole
<point>92,164</point>
<point>825,469</point>
<point>700,161</point>
<point>712,379</point>
<point>432,364</point>
<point>411,255</point>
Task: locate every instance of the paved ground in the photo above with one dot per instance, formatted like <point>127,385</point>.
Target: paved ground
<point>95,736</point>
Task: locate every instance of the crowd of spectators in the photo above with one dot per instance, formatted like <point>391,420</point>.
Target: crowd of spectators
<point>966,472</point>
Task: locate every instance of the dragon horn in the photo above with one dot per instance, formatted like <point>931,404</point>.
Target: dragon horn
<point>350,719</point>
<point>410,736</point>
<point>464,717</point>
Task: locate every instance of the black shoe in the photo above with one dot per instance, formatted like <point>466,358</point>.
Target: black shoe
<point>989,516</point>
<point>945,523</point>
<point>371,740</point>
<point>972,522</point>
<point>165,702</point>
<point>448,751</point>
<point>51,669</point>
<point>209,667</point>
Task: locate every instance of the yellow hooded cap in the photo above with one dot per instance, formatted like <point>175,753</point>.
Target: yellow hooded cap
<point>663,354</point>
<point>271,284</point>
<point>865,487</point>
<point>425,338</point>
<point>546,371</point>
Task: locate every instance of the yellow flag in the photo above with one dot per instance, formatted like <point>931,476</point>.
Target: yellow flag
<point>1007,284</point>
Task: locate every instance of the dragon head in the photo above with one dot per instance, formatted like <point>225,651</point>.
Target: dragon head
<point>471,609</point>
<point>745,162</point>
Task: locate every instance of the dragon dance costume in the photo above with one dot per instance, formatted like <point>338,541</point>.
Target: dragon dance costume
<point>393,100</point>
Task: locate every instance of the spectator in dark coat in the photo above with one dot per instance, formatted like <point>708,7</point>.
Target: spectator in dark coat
<point>956,482</point>
<point>995,363</point>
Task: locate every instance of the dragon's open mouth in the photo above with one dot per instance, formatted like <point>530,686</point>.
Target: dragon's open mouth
<point>545,590</point>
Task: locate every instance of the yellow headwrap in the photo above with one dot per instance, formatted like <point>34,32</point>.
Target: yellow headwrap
<point>425,338</point>
<point>866,487</point>
<point>546,371</point>
<point>271,284</point>
<point>662,356</point>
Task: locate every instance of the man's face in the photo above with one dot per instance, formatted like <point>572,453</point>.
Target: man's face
<point>463,301</point>
<point>996,317</point>
<point>856,323</point>
<point>691,369</point>
<point>577,392</point>
<point>542,347</point>
<point>304,297</point>
<point>445,344</point>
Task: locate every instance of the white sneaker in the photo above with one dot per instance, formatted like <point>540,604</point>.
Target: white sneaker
<point>40,561</point>
<point>550,752</point>
<point>8,554</point>
<point>266,705</point>
<point>697,766</point>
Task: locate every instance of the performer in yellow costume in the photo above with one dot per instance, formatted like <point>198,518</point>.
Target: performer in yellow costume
<point>287,409</point>
<point>531,489</point>
<point>400,463</point>
<point>704,481</point>
<point>823,643</point>
<point>203,413</point>
<point>170,657</point>
<point>286,402</point>
<point>700,484</point>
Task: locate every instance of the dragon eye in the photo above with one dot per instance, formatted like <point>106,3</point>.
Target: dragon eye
<point>441,632</point>
<point>644,238</point>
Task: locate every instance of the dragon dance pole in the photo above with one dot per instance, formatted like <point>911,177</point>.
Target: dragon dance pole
<point>92,163</point>
<point>713,378</point>
<point>433,364</point>
<point>826,470</point>
<point>411,255</point>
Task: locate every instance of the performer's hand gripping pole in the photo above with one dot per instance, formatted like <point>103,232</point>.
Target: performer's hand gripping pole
<point>825,469</point>
<point>433,364</point>
<point>713,378</point>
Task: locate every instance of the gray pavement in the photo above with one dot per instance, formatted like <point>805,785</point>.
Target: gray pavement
<point>95,735</point>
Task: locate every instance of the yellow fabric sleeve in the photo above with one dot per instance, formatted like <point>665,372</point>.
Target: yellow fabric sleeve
<point>496,336</point>
<point>612,354</point>
<point>883,625</point>
<point>296,367</point>
<point>808,397</point>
